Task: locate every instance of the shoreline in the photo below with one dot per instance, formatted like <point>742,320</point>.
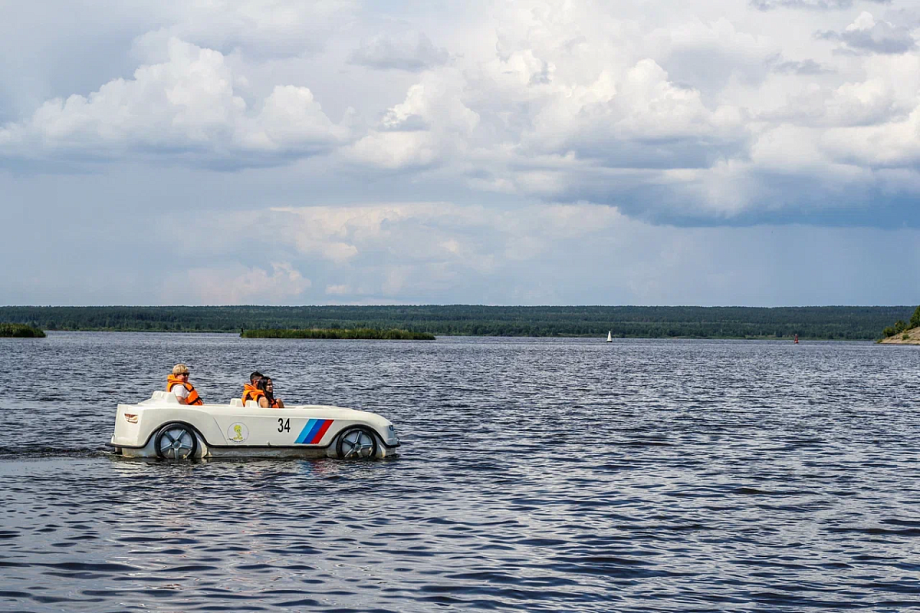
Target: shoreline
<point>913,338</point>
<point>509,336</point>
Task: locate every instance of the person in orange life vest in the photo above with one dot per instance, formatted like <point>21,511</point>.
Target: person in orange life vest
<point>178,384</point>
<point>250,391</point>
<point>268,399</point>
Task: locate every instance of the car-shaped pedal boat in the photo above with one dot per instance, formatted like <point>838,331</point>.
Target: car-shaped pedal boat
<point>160,427</point>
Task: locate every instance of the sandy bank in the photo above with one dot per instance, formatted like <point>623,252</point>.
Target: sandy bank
<point>913,338</point>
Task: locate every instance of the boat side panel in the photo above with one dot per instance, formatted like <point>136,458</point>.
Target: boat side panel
<point>285,430</point>
<point>150,419</point>
<point>225,427</point>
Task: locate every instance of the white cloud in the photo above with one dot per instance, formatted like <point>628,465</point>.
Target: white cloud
<point>413,52</point>
<point>238,285</point>
<point>419,248</point>
<point>670,111</point>
<point>339,290</point>
<point>292,121</point>
<point>806,67</point>
<point>815,5</point>
<point>468,236</point>
<point>341,234</point>
<point>710,56</point>
<point>871,36</point>
<point>650,107</point>
<point>431,124</point>
<point>183,108</point>
<point>435,252</point>
<point>265,27</point>
<point>509,153</point>
<point>892,145</point>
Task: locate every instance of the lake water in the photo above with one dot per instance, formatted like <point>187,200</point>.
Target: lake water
<point>535,474</point>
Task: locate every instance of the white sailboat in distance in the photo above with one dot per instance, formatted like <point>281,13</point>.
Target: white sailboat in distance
<point>609,337</point>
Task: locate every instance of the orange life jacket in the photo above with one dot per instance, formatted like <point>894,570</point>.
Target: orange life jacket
<point>193,397</point>
<point>251,392</point>
<point>274,403</point>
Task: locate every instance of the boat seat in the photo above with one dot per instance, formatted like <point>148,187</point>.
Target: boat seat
<point>236,402</point>
<point>167,397</point>
<point>252,404</point>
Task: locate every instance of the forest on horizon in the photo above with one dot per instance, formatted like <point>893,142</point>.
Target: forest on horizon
<point>825,322</point>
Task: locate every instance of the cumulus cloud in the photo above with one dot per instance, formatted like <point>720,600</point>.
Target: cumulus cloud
<point>342,234</point>
<point>339,290</point>
<point>414,248</point>
<point>709,56</point>
<point>410,52</point>
<point>676,114</point>
<point>640,110</point>
<point>239,285</point>
<point>866,35</point>
<point>885,92</point>
<point>557,253</point>
<point>891,145</point>
<point>184,108</point>
<point>509,153</point>
<point>267,28</point>
<point>814,5</point>
<point>806,67</point>
<point>409,232</point>
<point>430,124</point>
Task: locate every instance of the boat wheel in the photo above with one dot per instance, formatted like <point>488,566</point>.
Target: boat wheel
<point>176,442</point>
<point>356,443</point>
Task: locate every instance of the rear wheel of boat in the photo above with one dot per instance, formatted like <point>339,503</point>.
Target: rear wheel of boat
<point>357,443</point>
<point>176,442</point>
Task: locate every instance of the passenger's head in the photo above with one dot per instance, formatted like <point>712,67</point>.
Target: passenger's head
<point>180,370</point>
<point>254,377</point>
<point>263,383</point>
<point>269,386</point>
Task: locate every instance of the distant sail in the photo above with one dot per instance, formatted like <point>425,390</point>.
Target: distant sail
<point>609,337</point>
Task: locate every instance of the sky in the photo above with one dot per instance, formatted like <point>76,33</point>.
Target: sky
<point>280,152</point>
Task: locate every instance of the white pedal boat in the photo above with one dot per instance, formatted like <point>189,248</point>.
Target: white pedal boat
<point>160,427</point>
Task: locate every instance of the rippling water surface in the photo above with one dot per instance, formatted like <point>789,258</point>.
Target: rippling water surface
<point>539,475</point>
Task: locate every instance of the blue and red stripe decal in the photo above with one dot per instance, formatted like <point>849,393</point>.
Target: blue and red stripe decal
<point>313,431</point>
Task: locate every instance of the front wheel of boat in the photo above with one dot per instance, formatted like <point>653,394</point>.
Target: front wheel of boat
<point>357,443</point>
<point>176,442</point>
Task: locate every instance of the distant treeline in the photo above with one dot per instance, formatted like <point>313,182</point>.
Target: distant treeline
<point>351,333</point>
<point>853,323</point>
<point>20,331</point>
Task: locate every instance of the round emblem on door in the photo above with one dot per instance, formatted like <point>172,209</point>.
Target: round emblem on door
<point>238,432</point>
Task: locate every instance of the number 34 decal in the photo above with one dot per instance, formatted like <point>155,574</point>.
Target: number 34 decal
<point>284,425</point>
